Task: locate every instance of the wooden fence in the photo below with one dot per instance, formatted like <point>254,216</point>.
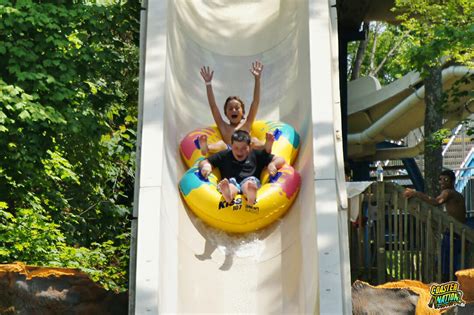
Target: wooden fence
<point>396,238</point>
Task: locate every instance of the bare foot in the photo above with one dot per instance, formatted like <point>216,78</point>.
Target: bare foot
<point>225,190</point>
<point>203,144</point>
<point>269,139</point>
<point>251,192</point>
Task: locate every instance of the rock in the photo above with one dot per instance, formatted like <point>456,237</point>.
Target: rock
<point>468,309</point>
<point>466,283</point>
<point>367,299</point>
<point>41,290</point>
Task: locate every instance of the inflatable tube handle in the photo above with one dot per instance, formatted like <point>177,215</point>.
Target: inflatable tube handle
<point>277,133</point>
<point>273,179</point>
<point>202,178</point>
<point>196,143</point>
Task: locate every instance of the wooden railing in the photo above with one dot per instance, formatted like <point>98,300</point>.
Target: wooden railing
<point>397,238</point>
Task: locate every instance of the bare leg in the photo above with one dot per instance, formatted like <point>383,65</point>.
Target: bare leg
<point>249,189</point>
<point>203,144</point>
<point>227,190</point>
<point>269,139</point>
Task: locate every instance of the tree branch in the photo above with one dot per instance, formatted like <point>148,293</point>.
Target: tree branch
<point>374,48</point>
<point>389,54</point>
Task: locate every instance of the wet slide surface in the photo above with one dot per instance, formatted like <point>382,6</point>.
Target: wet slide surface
<point>184,266</point>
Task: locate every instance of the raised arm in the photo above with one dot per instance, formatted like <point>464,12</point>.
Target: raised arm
<point>207,75</point>
<point>257,68</point>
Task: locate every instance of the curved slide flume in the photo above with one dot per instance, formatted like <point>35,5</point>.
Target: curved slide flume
<point>299,263</point>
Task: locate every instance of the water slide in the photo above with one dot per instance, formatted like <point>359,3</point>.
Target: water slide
<point>377,113</point>
<point>299,264</point>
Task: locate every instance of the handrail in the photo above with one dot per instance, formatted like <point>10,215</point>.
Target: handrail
<point>445,218</point>
<point>405,238</point>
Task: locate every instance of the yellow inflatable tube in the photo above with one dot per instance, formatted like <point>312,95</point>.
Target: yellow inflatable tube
<point>286,145</point>
<point>273,199</point>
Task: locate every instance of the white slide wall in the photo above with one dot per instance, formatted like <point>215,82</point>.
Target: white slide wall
<point>183,266</point>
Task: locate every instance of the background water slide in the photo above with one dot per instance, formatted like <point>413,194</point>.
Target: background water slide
<point>297,265</point>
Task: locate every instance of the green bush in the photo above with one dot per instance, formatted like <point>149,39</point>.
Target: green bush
<point>68,95</point>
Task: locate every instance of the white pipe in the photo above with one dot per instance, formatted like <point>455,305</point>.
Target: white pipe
<point>399,153</point>
<point>408,152</point>
<point>369,135</point>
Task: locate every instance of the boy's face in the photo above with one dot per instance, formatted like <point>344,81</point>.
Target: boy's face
<point>234,112</point>
<point>240,150</point>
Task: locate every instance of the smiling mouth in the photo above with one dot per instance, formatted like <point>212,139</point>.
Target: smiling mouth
<point>234,116</point>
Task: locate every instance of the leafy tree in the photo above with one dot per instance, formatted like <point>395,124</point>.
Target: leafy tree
<point>68,95</point>
<point>440,32</point>
<point>431,34</point>
<point>381,55</point>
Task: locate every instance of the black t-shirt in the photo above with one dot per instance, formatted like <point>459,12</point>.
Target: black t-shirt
<point>230,167</point>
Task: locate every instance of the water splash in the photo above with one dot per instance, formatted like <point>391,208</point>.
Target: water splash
<point>249,245</point>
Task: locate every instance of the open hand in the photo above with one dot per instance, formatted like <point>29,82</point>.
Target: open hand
<point>257,68</point>
<point>207,74</point>
<point>269,137</point>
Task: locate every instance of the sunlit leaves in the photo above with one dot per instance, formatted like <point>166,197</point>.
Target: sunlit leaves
<point>443,31</point>
<point>68,95</point>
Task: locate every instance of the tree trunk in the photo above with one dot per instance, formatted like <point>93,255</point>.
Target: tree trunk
<point>355,73</point>
<point>433,123</point>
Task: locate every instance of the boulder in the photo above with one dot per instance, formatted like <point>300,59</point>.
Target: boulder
<point>41,290</point>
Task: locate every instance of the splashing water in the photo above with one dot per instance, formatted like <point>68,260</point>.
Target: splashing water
<point>248,245</point>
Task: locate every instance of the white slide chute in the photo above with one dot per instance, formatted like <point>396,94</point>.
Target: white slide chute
<point>300,263</point>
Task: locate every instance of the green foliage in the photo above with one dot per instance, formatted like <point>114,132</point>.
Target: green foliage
<point>68,95</point>
<point>32,237</point>
<point>436,139</point>
<point>440,31</point>
<point>430,33</point>
<point>389,53</point>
